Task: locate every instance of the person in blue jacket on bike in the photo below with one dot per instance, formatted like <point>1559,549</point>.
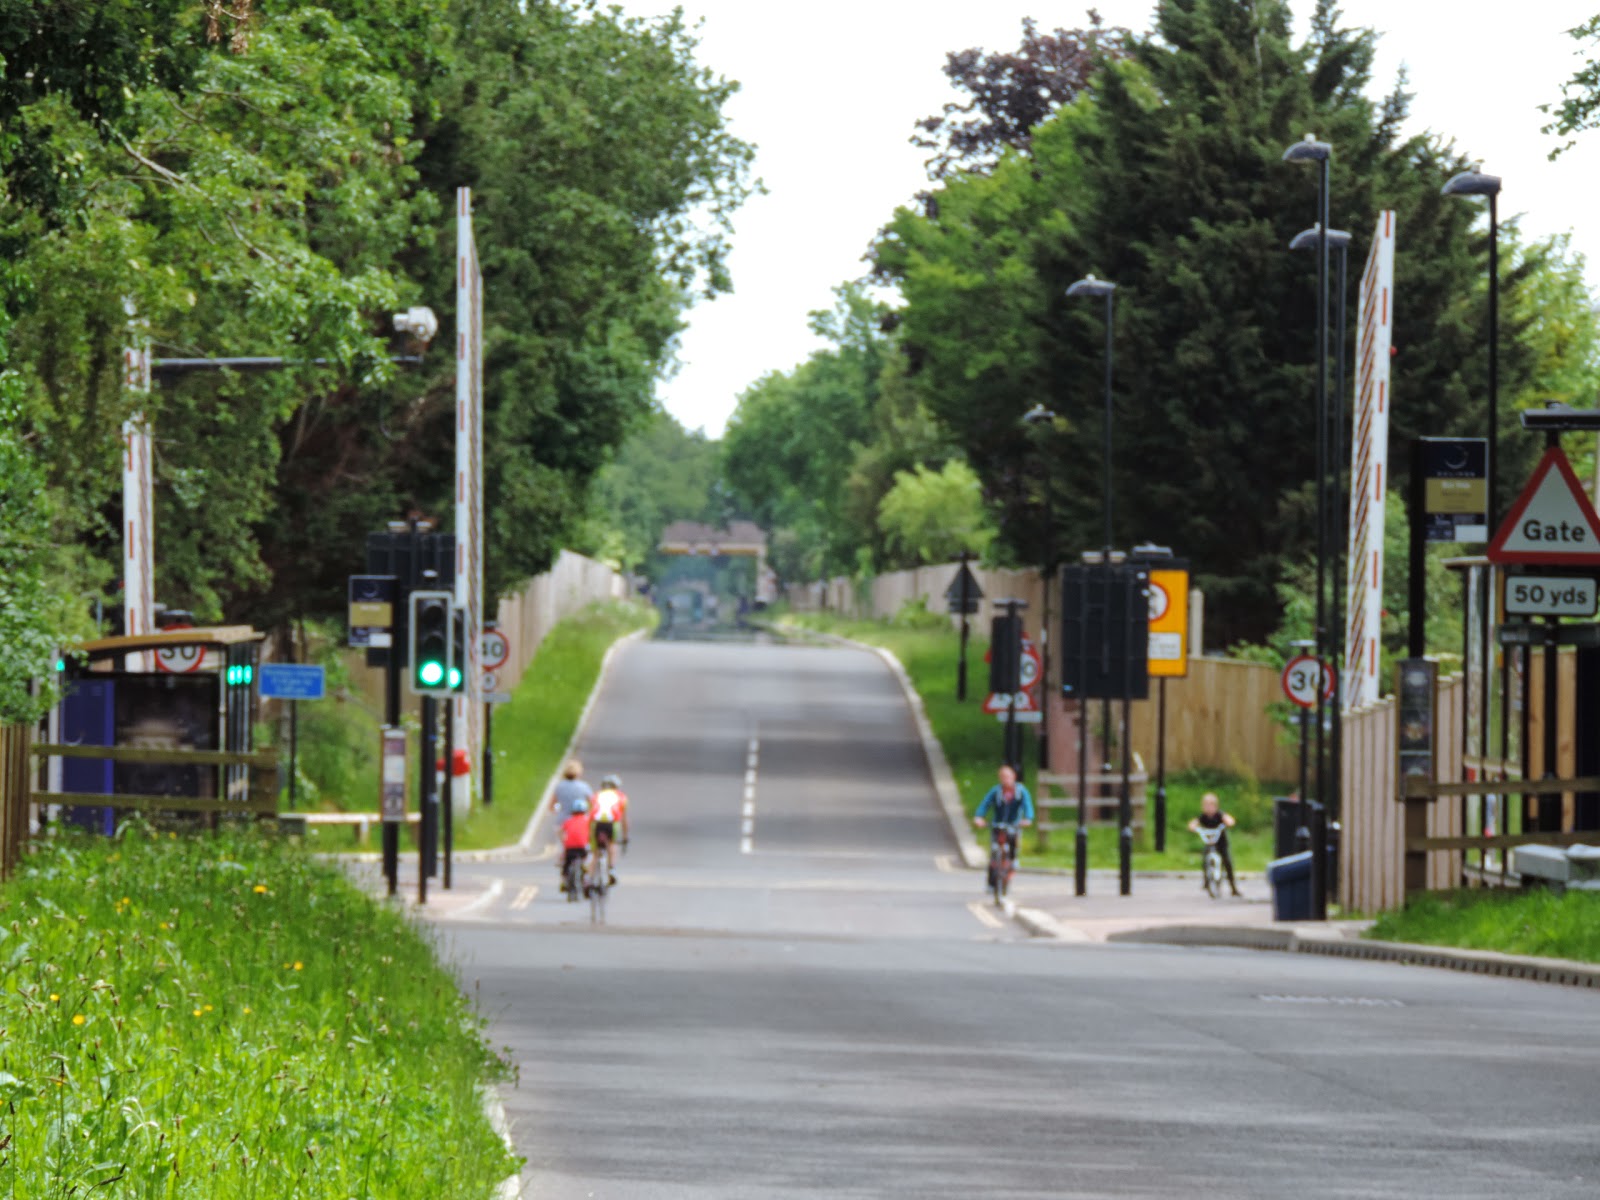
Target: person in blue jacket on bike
<point>1006,808</point>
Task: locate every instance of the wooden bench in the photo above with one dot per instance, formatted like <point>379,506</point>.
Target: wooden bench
<point>1057,802</point>
<point>361,822</point>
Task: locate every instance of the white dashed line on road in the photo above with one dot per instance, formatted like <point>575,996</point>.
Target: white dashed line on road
<point>981,910</point>
<point>525,897</point>
<point>747,814</point>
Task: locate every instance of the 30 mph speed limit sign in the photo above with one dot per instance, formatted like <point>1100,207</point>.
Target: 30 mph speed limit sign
<point>1300,679</point>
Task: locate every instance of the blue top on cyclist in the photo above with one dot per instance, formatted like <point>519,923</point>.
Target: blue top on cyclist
<point>1007,803</point>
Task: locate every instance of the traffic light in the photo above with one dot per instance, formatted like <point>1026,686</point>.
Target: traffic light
<point>430,643</point>
<point>458,650</point>
<point>1005,655</point>
<point>240,674</point>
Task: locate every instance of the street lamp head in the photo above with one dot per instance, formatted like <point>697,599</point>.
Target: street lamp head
<point>1308,150</point>
<point>1038,415</point>
<point>1472,183</point>
<point>1306,239</point>
<point>1090,286</point>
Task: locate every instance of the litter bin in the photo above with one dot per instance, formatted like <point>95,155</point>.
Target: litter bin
<point>1290,878</point>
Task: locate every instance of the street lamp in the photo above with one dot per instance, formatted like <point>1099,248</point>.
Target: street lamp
<point>1310,239</point>
<point>1105,289</point>
<point>1310,150</point>
<point>1036,416</point>
<point>1476,183</point>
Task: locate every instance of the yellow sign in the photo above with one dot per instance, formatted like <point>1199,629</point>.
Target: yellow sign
<point>1169,623</point>
<point>371,612</point>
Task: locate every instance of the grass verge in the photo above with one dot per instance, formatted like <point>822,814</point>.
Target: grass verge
<point>533,730</point>
<point>221,1016</point>
<point>1512,922</point>
<point>929,650</point>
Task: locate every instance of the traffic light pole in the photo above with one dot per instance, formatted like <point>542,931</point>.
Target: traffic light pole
<point>447,807</point>
<point>428,850</point>
<point>391,718</point>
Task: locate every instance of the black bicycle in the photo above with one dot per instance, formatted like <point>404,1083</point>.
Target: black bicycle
<point>574,877</point>
<point>1002,861</point>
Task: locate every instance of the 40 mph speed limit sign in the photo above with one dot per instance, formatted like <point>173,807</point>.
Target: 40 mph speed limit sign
<point>1300,679</point>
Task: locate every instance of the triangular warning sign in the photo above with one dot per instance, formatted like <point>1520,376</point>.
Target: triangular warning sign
<point>1552,522</point>
<point>956,591</point>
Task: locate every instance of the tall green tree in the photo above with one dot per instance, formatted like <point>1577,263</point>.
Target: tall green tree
<point>792,440</point>
<point>1167,179</point>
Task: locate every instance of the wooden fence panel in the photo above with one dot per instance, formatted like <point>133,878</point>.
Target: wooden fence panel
<point>1217,717</point>
<point>15,766</point>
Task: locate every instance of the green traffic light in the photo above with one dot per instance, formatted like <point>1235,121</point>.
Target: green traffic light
<point>455,678</point>
<point>61,664</point>
<point>430,673</point>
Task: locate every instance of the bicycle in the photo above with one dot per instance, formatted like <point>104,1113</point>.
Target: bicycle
<point>596,887</point>
<point>1211,860</point>
<point>574,877</point>
<point>1002,861</point>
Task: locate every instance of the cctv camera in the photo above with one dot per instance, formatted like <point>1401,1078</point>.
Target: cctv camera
<point>419,322</point>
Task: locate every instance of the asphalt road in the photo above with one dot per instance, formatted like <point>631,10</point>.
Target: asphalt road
<point>797,994</point>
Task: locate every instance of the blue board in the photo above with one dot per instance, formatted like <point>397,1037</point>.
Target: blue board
<point>290,681</point>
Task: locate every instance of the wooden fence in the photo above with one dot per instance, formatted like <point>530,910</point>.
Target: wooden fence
<point>1372,862</point>
<point>1218,717</point>
<point>15,762</point>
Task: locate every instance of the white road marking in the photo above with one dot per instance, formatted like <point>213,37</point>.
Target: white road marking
<point>479,903</point>
<point>747,814</point>
<point>524,897</point>
<point>945,863</point>
<point>980,910</point>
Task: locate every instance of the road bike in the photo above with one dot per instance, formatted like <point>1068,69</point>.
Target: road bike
<point>1211,860</point>
<point>1002,861</point>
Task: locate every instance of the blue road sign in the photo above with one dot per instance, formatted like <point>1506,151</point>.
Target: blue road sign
<point>291,681</point>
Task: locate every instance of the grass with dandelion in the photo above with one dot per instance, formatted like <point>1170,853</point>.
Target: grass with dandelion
<point>222,1016</point>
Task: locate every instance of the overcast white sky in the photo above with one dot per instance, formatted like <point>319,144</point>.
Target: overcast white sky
<point>832,89</point>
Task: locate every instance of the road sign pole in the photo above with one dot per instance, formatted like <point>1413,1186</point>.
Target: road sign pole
<point>1125,795</point>
<point>391,719</point>
<point>966,604</point>
<point>427,830</point>
<point>294,749</point>
<point>488,755</point>
<point>1161,767</point>
<point>1080,842</point>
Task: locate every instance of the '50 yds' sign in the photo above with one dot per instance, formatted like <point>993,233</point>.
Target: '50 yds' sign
<point>1550,596</point>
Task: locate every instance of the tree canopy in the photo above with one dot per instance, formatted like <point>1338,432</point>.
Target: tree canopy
<point>254,179</point>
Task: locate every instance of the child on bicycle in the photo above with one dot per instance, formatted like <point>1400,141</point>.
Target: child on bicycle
<point>1212,817</point>
<point>1009,806</point>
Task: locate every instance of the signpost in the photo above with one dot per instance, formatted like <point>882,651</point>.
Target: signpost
<point>371,611</point>
<point>1300,679</point>
<point>1552,524</point>
<point>293,682</point>
<point>962,596</point>
<point>1167,652</point>
<point>495,651</point>
<point>1549,596</point>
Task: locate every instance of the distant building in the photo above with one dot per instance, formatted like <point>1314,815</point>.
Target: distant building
<point>741,539</point>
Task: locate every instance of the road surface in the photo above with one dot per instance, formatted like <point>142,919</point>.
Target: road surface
<point>799,994</point>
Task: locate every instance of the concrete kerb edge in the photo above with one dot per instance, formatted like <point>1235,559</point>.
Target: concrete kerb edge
<point>944,783</point>
<point>494,1109</point>
<point>1336,945</point>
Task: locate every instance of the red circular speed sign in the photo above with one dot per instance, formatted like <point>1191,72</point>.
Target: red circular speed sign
<point>1300,680</point>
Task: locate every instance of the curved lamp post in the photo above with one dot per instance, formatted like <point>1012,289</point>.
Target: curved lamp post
<point>1103,288</point>
<point>1310,150</point>
<point>1037,416</point>
<point>1476,183</point>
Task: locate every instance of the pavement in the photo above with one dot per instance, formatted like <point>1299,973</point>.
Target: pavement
<point>801,991</point>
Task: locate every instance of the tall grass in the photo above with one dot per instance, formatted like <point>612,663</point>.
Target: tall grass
<point>972,743</point>
<point>533,730</point>
<point>220,1017</point>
